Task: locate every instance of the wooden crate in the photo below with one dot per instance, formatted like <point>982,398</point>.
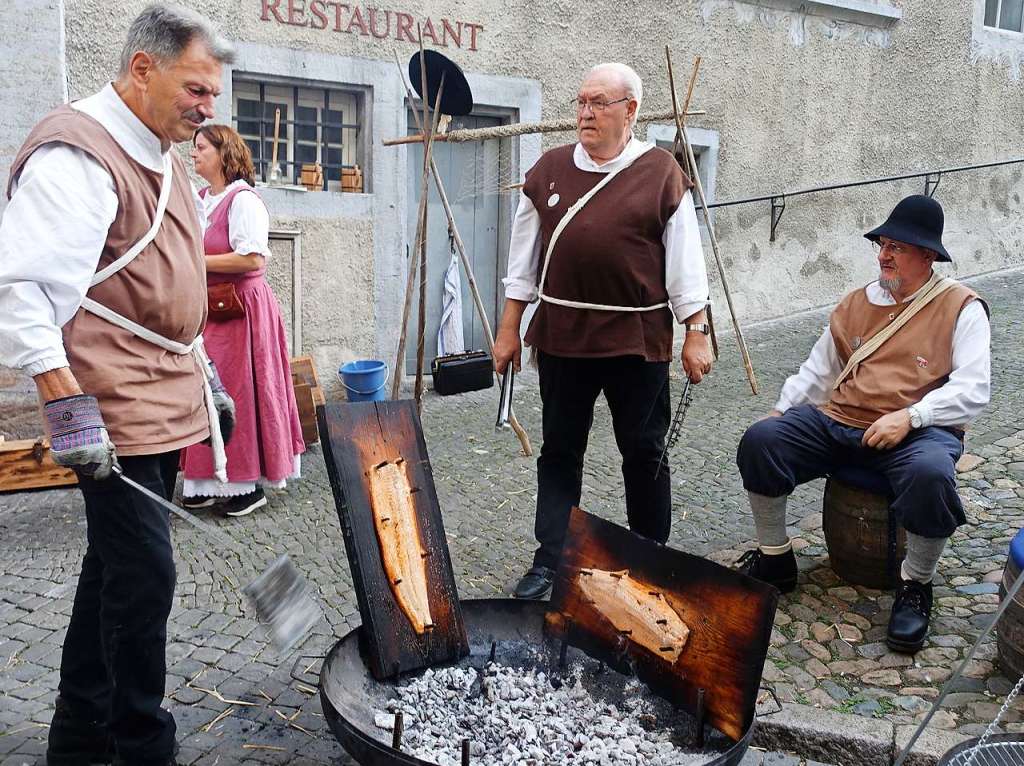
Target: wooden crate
<point>303,367</point>
<point>363,443</point>
<point>352,179</point>
<point>313,176</point>
<point>26,464</point>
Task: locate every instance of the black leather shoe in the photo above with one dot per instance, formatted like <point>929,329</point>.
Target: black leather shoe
<point>75,740</point>
<point>535,583</point>
<point>908,622</point>
<point>778,570</point>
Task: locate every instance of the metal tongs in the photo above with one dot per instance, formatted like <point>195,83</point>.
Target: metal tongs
<point>505,402</point>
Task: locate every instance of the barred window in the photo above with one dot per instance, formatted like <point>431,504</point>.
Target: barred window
<point>318,125</point>
<point>1005,14</point>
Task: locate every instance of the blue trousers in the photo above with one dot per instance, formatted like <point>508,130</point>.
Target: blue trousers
<point>777,454</point>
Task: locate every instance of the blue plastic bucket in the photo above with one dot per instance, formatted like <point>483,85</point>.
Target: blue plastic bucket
<point>364,380</point>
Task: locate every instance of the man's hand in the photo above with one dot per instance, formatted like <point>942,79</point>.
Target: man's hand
<point>224,405</point>
<point>78,436</point>
<point>508,347</point>
<point>697,356</point>
<point>888,431</point>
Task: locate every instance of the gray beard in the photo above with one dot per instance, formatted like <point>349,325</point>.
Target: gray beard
<point>890,285</point>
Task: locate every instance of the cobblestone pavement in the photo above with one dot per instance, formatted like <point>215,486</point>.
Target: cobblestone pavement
<point>234,699</point>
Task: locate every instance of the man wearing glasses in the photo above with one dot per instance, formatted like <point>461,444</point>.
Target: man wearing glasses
<point>606,238</point>
<point>889,387</point>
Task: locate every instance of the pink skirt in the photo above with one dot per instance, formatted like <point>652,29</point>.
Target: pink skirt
<point>251,355</point>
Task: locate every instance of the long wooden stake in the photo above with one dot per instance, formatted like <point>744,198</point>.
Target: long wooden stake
<point>414,256</point>
<point>421,324</point>
<point>460,248</point>
<point>707,219</point>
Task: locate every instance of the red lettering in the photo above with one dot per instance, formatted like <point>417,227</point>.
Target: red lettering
<point>448,32</point>
<point>316,7</point>
<point>428,31</point>
<point>373,24</point>
<point>270,6</point>
<point>297,9</point>
<point>337,13</point>
<point>473,28</point>
<point>403,23</point>
<point>357,21</point>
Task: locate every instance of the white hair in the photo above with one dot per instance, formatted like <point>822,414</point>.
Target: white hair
<point>165,30</point>
<point>629,79</point>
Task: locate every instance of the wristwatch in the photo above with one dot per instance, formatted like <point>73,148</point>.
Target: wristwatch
<point>702,327</point>
<point>915,417</point>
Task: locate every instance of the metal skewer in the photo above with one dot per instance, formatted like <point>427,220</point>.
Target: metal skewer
<point>676,428</point>
<point>505,402</point>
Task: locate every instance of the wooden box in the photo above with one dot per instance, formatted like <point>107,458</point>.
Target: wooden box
<point>352,179</point>
<point>313,176</point>
<point>308,396</point>
<point>26,464</point>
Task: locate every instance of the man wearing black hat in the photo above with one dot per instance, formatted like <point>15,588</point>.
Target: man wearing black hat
<point>889,387</point>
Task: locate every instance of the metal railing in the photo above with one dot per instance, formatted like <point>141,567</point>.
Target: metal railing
<point>931,183</point>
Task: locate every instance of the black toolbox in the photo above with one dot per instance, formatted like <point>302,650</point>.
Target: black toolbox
<point>458,373</point>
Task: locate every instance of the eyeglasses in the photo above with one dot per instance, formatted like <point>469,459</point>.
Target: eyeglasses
<point>596,107</point>
<point>893,247</point>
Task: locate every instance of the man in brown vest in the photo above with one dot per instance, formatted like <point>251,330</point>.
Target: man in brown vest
<point>611,268</point>
<point>102,297</point>
<point>888,389</point>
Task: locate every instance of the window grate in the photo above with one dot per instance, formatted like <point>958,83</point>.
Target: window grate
<point>318,125</point>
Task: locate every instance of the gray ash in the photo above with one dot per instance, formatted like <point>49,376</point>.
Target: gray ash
<point>525,717</point>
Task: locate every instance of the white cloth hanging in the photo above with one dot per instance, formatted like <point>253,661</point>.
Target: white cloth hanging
<point>449,334</point>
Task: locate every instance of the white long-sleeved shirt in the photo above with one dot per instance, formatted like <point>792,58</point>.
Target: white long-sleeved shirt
<point>53,232</point>
<point>686,277</point>
<point>958,401</point>
<point>248,220</point>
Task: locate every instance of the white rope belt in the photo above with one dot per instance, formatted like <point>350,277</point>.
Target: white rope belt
<point>569,215</point>
<point>196,347</point>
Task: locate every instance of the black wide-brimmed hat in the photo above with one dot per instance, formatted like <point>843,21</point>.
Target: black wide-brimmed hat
<point>457,98</point>
<point>916,220</point>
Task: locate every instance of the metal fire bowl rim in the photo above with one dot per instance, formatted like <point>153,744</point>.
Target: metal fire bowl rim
<point>522,619</point>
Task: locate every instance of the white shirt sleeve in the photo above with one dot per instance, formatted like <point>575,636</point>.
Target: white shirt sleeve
<point>523,253</point>
<point>248,225</point>
<point>51,237</point>
<point>812,383</point>
<point>962,398</point>
<point>686,275</point>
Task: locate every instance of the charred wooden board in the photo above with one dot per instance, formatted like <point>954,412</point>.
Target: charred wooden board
<point>360,440</point>
<point>680,622</point>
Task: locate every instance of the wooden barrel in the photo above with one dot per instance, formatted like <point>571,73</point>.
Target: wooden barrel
<point>856,525</point>
<point>1010,626</point>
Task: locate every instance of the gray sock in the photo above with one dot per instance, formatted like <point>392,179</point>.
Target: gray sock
<point>770,521</point>
<point>922,557</point>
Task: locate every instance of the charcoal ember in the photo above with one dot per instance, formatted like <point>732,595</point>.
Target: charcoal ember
<point>518,717</point>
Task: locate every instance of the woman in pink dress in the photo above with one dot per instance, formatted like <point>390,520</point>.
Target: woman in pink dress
<point>247,343</point>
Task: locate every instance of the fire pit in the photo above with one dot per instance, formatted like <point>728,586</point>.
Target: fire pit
<point>510,633</point>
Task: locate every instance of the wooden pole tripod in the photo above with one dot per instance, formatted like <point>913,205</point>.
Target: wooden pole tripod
<point>681,135</point>
<point>460,248</point>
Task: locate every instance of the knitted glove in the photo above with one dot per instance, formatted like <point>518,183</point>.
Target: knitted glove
<point>223,403</point>
<point>78,436</point>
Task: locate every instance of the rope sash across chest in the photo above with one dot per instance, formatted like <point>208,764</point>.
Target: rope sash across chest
<point>569,215</point>
<point>196,348</point>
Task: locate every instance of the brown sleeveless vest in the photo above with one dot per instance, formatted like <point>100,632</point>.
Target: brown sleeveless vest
<point>914,361</point>
<point>611,253</point>
<point>151,399</point>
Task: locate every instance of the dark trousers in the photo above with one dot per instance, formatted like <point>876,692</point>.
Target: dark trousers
<point>638,398</point>
<point>776,454</point>
<point>113,665</point>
